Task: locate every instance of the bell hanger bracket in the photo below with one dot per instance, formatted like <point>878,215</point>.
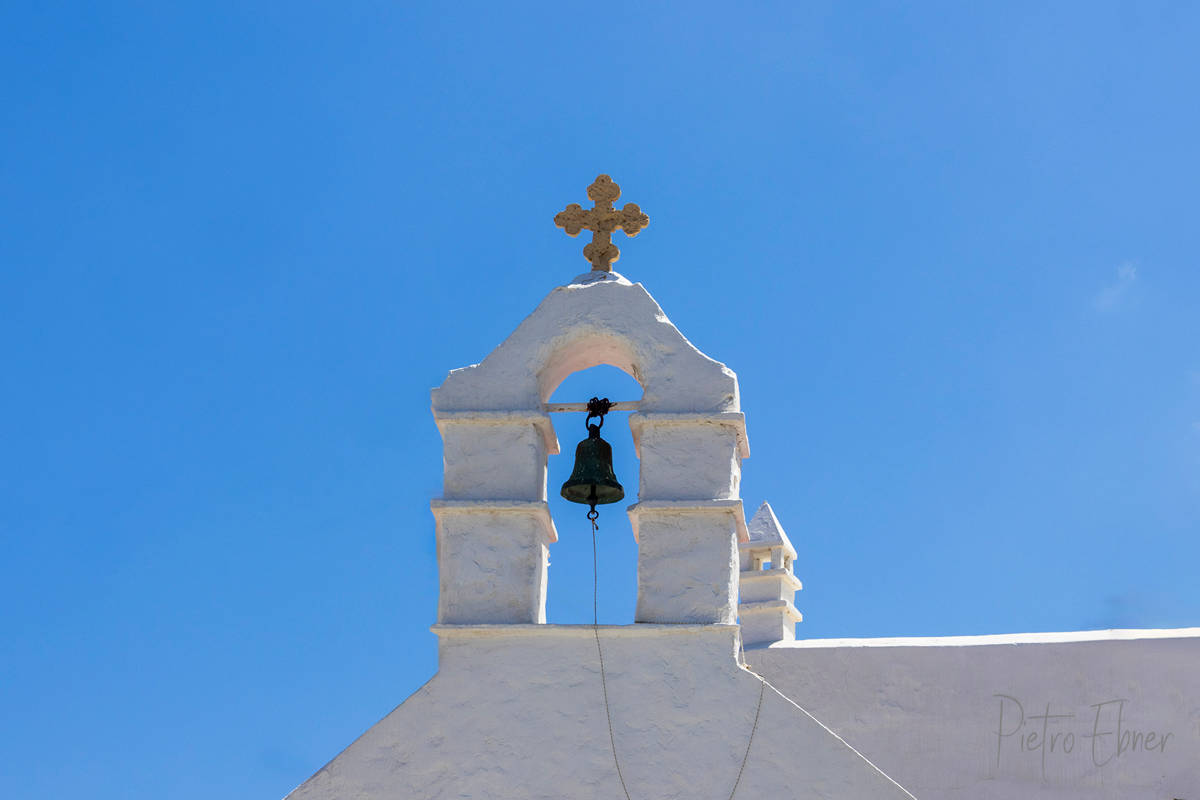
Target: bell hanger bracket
<point>596,407</point>
<point>570,408</point>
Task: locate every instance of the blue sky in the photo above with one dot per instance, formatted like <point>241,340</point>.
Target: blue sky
<point>949,250</point>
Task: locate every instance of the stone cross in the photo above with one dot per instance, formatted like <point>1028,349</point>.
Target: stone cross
<point>602,221</point>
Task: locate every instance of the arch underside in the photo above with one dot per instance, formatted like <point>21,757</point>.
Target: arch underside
<point>580,326</point>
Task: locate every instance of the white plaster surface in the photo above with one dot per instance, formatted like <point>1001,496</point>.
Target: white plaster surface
<point>695,461</point>
<point>497,461</point>
<point>764,530</point>
<point>768,621</point>
<point>590,321</point>
<point>927,711</point>
<point>518,712</point>
<point>687,564</point>
<point>767,584</point>
<point>492,560</point>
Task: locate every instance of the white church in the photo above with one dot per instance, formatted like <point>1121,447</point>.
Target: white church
<point>709,694</point>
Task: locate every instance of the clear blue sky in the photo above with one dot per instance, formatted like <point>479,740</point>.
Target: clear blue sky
<point>951,253</point>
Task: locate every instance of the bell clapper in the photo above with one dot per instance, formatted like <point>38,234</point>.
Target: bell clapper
<point>593,514</point>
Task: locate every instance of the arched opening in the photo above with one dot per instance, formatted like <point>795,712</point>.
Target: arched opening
<point>580,354</point>
<point>569,587</point>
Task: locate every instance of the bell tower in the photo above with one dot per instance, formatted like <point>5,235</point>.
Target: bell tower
<point>493,521</point>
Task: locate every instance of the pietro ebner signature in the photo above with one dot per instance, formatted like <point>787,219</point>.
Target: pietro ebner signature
<point>1103,733</point>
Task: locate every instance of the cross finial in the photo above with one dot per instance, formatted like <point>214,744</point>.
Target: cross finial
<point>602,220</point>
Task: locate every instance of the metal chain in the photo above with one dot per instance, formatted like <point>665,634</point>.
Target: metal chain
<point>762,687</point>
<point>612,737</point>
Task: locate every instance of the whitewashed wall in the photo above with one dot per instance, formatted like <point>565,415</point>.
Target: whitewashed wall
<point>1085,716</point>
<point>516,711</point>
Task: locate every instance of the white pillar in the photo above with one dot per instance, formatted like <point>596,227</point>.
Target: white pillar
<point>493,524</point>
<point>689,518</point>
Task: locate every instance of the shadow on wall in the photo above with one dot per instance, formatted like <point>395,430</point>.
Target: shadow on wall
<point>569,589</point>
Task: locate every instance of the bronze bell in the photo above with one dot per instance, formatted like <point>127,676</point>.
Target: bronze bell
<point>592,482</point>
